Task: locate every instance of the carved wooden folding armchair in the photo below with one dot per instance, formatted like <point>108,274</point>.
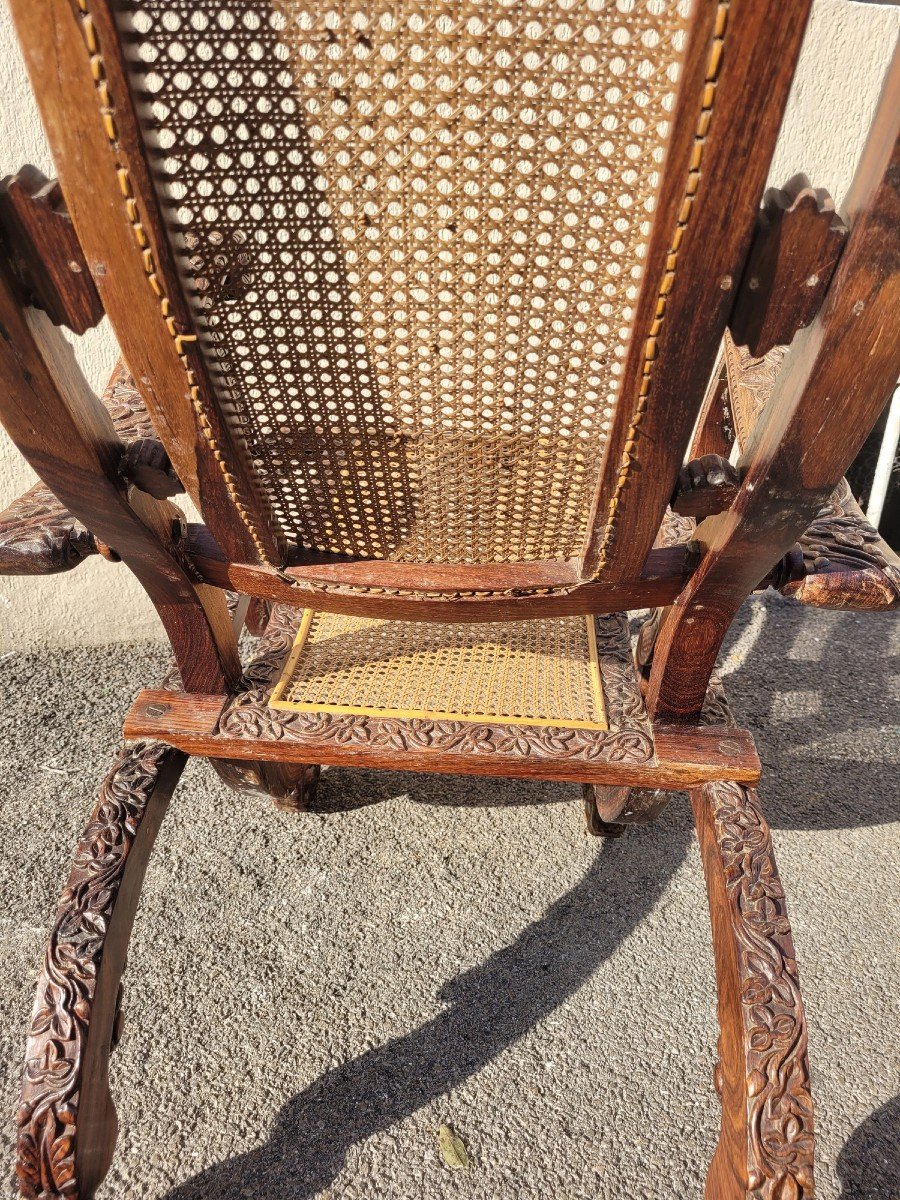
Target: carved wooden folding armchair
<point>420,305</point>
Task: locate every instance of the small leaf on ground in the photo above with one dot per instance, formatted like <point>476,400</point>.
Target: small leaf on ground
<point>453,1148</point>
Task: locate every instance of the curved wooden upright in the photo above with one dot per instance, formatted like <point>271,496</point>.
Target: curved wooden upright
<point>422,305</point>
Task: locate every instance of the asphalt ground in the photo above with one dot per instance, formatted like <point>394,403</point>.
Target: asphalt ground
<point>310,997</point>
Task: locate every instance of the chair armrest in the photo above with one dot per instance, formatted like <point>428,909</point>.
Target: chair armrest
<point>39,537</point>
<point>846,563</point>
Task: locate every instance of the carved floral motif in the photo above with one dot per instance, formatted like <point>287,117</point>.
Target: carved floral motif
<point>629,738</point>
<point>779,1118</point>
<point>63,1010</point>
<point>840,536</point>
<point>750,383</point>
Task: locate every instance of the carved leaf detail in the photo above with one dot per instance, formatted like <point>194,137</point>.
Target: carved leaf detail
<point>779,1117</point>
<point>61,1019</point>
<point>628,740</point>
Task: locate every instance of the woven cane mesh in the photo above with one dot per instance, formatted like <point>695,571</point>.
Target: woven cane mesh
<point>522,672</point>
<point>412,234</point>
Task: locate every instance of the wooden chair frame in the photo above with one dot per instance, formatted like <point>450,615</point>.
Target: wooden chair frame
<point>773,519</point>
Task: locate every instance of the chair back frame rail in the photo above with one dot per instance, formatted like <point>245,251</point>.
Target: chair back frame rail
<point>735,78</point>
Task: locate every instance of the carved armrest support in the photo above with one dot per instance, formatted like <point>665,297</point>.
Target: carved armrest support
<point>844,562</point>
<point>38,536</point>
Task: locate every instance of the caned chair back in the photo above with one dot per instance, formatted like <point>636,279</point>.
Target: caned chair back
<point>417,261</point>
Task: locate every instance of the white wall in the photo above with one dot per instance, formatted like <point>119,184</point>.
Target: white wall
<point>847,48</point>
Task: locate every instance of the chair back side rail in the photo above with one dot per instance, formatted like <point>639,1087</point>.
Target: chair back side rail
<point>72,52</point>
<point>836,378</point>
<point>746,56</point>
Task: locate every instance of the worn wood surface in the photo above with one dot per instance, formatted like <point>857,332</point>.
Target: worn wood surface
<point>846,363</point>
<point>214,727</point>
<point>714,433</point>
<point>798,241</point>
<point>765,1149</point>
<point>706,485</point>
<point>846,564</point>
<point>716,167</point>
<point>70,440</point>
<point>47,257</point>
<point>67,1122</point>
<point>840,561</point>
<point>348,587</point>
<point>243,726</point>
<point>38,535</point>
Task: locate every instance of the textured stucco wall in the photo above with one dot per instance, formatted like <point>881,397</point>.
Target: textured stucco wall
<point>847,48</point>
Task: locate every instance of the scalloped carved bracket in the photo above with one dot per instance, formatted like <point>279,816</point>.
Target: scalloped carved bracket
<point>799,239</point>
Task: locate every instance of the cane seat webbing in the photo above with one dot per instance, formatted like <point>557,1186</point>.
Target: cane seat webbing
<point>513,672</point>
<point>412,237</point>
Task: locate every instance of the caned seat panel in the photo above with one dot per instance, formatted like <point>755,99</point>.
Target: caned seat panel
<point>517,672</point>
<point>412,238</point>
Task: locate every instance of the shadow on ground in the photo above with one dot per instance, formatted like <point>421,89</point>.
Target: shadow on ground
<point>489,1008</point>
<point>313,1133</point>
<point>869,1164</point>
<point>815,689</point>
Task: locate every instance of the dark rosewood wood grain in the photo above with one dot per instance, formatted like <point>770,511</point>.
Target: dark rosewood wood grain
<point>765,1149</point>
<point>67,1121</point>
<point>706,486</point>
<point>146,464</point>
<point>798,241</point>
<point>846,564</point>
<point>490,593</point>
<point>593,797</point>
<point>760,47</point>
<point>715,427</point>
<point>243,728</point>
<point>47,257</point>
<point>70,440</point>
<point>39,536</point>
<point>845,364</point>
<point>292,786</point>
<point>840,561</point>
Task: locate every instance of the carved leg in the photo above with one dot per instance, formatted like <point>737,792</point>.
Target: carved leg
<point>765,1149</point>
<point>291,785</point>
<point>67,1122</point>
